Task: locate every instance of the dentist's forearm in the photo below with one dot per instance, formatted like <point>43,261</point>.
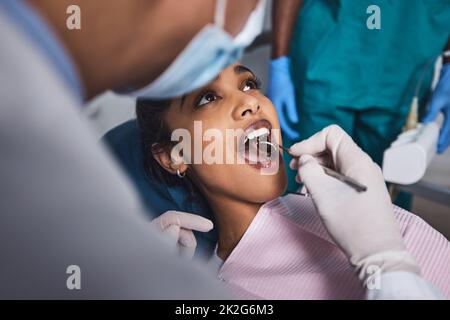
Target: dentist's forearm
<point>284,16</point>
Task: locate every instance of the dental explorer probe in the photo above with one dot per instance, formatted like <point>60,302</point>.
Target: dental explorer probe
<point>347,180</point>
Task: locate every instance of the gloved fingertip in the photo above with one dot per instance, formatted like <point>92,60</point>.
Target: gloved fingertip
<point>294,115</point>
<point>297,149</point>
<point>304,159</point>
<point>208,226</point>
<point>292,110</point>
<point>293,164</point>
<point>200,224</point>
<point>187,238</point>
<point>294,147</point>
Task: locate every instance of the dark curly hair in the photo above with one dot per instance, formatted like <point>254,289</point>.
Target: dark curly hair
<point>156,137</point>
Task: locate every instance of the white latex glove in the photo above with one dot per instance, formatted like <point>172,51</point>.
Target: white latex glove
<point>362,224</point>
<point>179,226</point>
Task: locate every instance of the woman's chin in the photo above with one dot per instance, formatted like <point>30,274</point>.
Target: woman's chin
<point>270,189</point>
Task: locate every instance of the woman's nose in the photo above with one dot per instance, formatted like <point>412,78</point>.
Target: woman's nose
<point>246,106</point>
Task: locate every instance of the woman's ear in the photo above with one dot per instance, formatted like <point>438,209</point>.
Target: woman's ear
<point>165,160</point>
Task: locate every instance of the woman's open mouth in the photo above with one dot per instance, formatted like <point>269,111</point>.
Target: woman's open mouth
<point>256,154</point>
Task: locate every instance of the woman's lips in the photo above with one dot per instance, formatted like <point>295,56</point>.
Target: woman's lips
<point>263,123</point>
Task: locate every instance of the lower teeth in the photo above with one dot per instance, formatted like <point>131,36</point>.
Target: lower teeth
<point>258,153</point>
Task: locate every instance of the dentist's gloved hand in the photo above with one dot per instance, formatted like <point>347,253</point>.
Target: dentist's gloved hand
<point>440,102</point>
<point>281,92</point>
<point>179,226</point>
<point>362,224</point>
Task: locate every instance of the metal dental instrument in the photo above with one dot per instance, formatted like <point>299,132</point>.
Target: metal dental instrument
<point>347,180</point>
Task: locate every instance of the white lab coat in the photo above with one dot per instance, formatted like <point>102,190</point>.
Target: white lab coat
<point>64,202</point>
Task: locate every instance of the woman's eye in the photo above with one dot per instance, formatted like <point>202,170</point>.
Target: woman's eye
<point>250,85</point>
<point>207,98</point>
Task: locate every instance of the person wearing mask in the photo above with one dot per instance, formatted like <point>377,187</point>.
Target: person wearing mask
<point>64,201</point>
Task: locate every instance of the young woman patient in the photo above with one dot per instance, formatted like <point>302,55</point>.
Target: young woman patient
<point>269,246</point>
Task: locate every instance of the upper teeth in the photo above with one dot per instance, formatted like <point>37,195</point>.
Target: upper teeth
<point>258,133</point>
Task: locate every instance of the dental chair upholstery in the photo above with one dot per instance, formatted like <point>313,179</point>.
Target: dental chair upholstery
<point>157,197</point>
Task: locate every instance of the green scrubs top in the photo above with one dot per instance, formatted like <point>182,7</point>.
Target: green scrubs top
<point>363,79</point>
<point>337,59</point>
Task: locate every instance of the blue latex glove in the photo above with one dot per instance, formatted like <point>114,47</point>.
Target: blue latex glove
<point>281,92</point>
<point>440,102</point>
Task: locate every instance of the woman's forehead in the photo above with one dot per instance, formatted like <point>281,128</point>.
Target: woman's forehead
<point>236,69</point>
<point>233,70</point>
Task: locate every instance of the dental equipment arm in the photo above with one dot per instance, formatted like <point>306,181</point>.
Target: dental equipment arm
<point>179,226</point>
<point>361,223</point>
<point>408,157</point>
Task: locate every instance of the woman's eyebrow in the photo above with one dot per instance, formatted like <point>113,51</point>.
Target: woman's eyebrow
<point>242,69</point>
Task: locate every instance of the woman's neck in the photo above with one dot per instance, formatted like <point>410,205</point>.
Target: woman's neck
<point>233,217</point>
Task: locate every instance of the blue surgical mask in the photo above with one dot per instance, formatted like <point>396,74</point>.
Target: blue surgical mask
<point>208,53</point>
